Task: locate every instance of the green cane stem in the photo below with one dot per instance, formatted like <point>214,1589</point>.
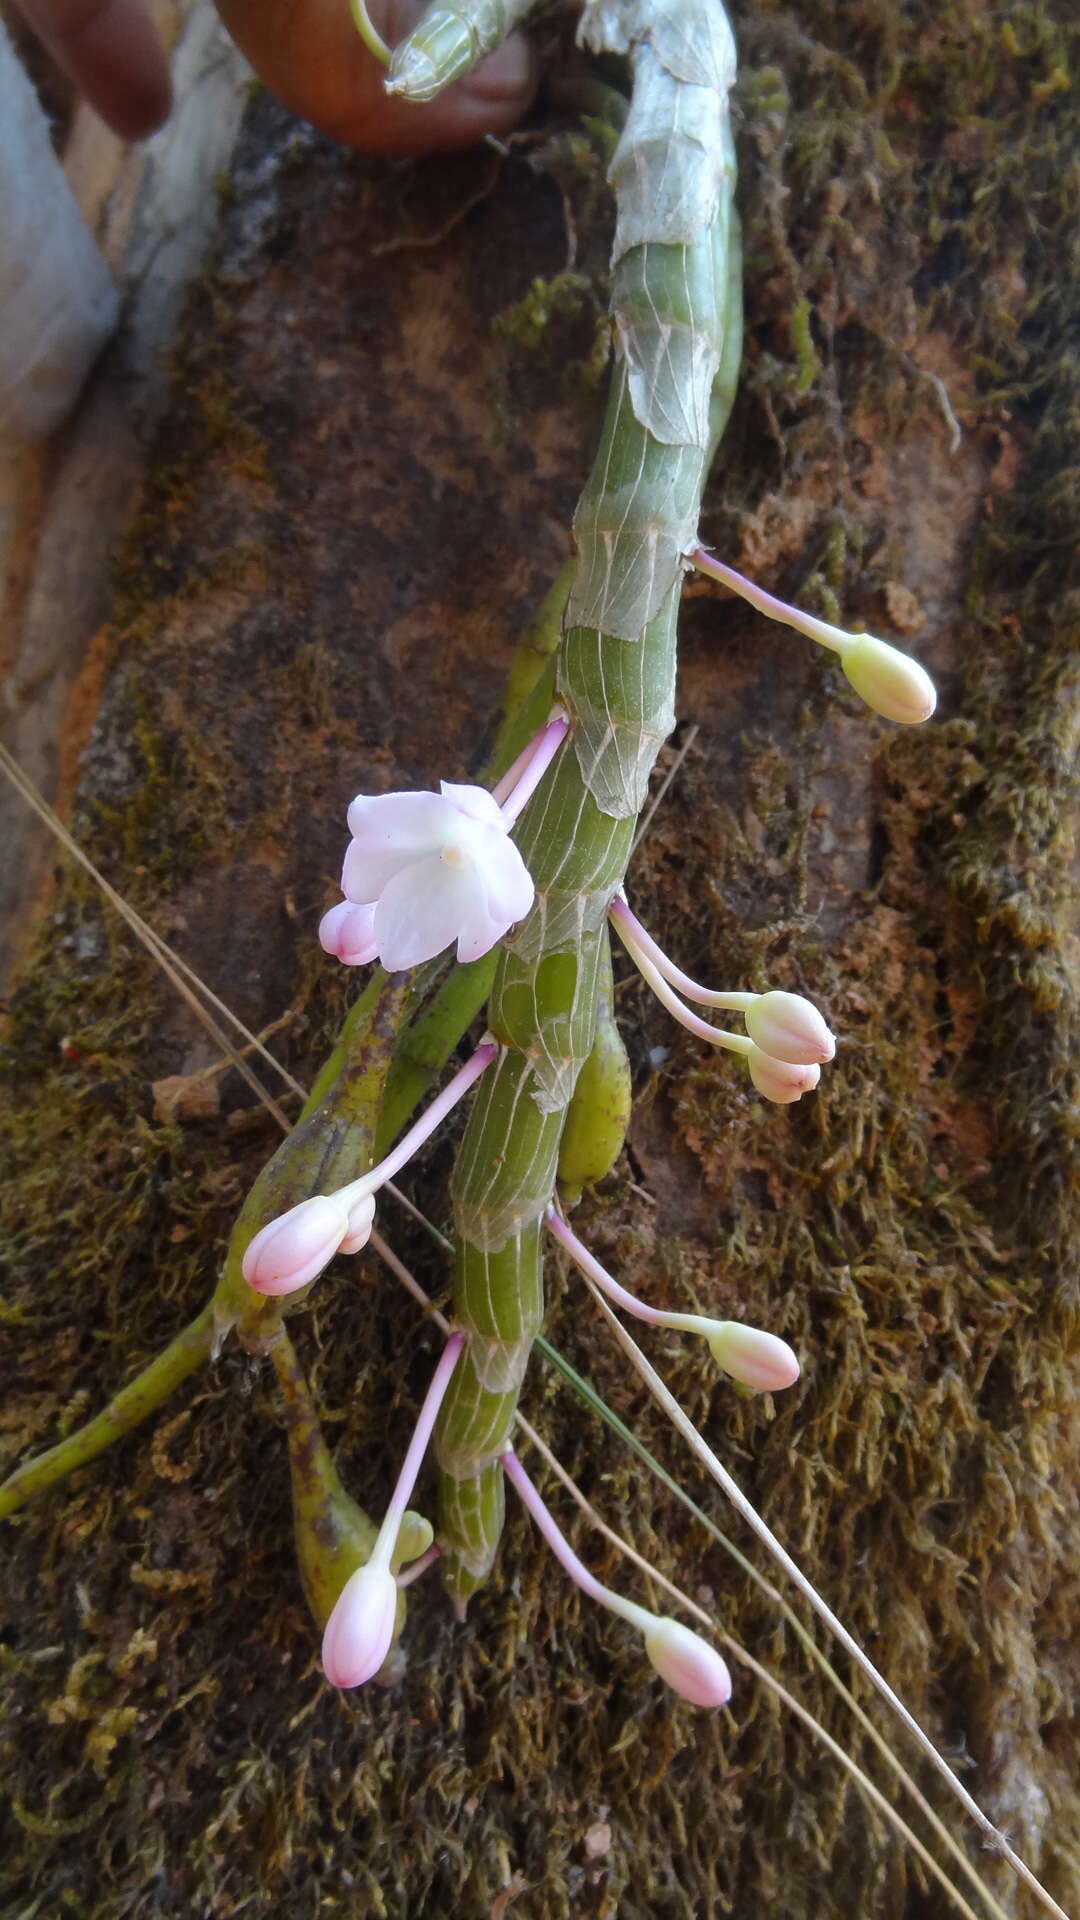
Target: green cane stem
<point>676,308</point>
<point>128,1409</point>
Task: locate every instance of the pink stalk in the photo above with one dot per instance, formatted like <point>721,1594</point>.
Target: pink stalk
<point>783,1026</point>
<point>688,1663</point>
<point>589,1264</point>
<point>288,1252</point>
<point>758,1360</point>
<point>412,1572</point>
<point>564,1552</point>
<point>360,1630</point>
<point>537,758</point>
<point>634,935</point>
<point>418,1445</point>
<point>716,1036</point>
<point>779,1080</point>
<point>820,630</point>
<point>503,788</point>
<point>432,1116</point>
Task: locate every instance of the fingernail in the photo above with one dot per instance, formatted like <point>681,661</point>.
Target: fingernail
<point>504,75</point>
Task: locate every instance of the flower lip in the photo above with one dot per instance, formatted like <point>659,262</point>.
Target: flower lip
<point>348,932</point>
<point>781,1081</point>
<point>476,803</point>
<point>361,1221</point>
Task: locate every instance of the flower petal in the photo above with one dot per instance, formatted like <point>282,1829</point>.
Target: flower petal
<point>508,886</point>
<point>291,1250</point>
<point>481,935</point>
<point>390,830</point>
<point>361,1221</point>
<point>422,909</point>
<point>688,1663</point>
<point>476,802</point>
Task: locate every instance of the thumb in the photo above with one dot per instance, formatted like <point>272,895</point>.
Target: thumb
<point>110,49</point>
<point>310,55</point>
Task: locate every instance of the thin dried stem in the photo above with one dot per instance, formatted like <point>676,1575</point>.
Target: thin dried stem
<point>862,1781</point>
<point>730,1487</point>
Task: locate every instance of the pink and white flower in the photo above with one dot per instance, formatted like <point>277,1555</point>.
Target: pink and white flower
<point>890,682</point>
<point>360,1630</point>
<point>786,1037</point>
<point>293,1248</point>
<point>758,1360</point>
<point>431,868</point>
<point>425,869</point>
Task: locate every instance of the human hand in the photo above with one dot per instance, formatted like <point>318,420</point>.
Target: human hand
<point>111,51</point>
<point>309,54</point>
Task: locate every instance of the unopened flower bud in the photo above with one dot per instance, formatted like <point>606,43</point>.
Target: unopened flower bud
<point>890,682</point>
<point>789,1028</point>
<point>361,1627</point>
<point>361,1221</point>
<point>780,1080</point>
<point>688,1664</point>
<point>348,932</point>
<point>415,1536</point>
<point>291,1250</point>
<point>756,1359</point>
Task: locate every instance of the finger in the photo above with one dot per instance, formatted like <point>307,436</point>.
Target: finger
<point>111,50</point>
<point>311,56</point>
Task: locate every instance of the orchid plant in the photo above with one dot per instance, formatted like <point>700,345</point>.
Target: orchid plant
<point>528,877</point>
<point>526,881</point>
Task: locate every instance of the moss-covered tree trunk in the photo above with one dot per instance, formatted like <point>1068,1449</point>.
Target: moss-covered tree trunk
<point>380,426</point>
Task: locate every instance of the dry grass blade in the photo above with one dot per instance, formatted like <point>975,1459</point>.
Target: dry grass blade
<point>176,971</point>
<point>738,1499</point>
<point>862,1781</point>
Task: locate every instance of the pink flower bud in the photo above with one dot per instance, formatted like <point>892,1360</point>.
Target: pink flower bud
<point>688,1664</point>
<point>780,1080</point>
<point>889,681</point>
<point>348,932</point>
<point>291,1250</point>
<point>361,1221</point>
<point>789,1028</point>
<point>756,1359</point>
<point>361,1627</point>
